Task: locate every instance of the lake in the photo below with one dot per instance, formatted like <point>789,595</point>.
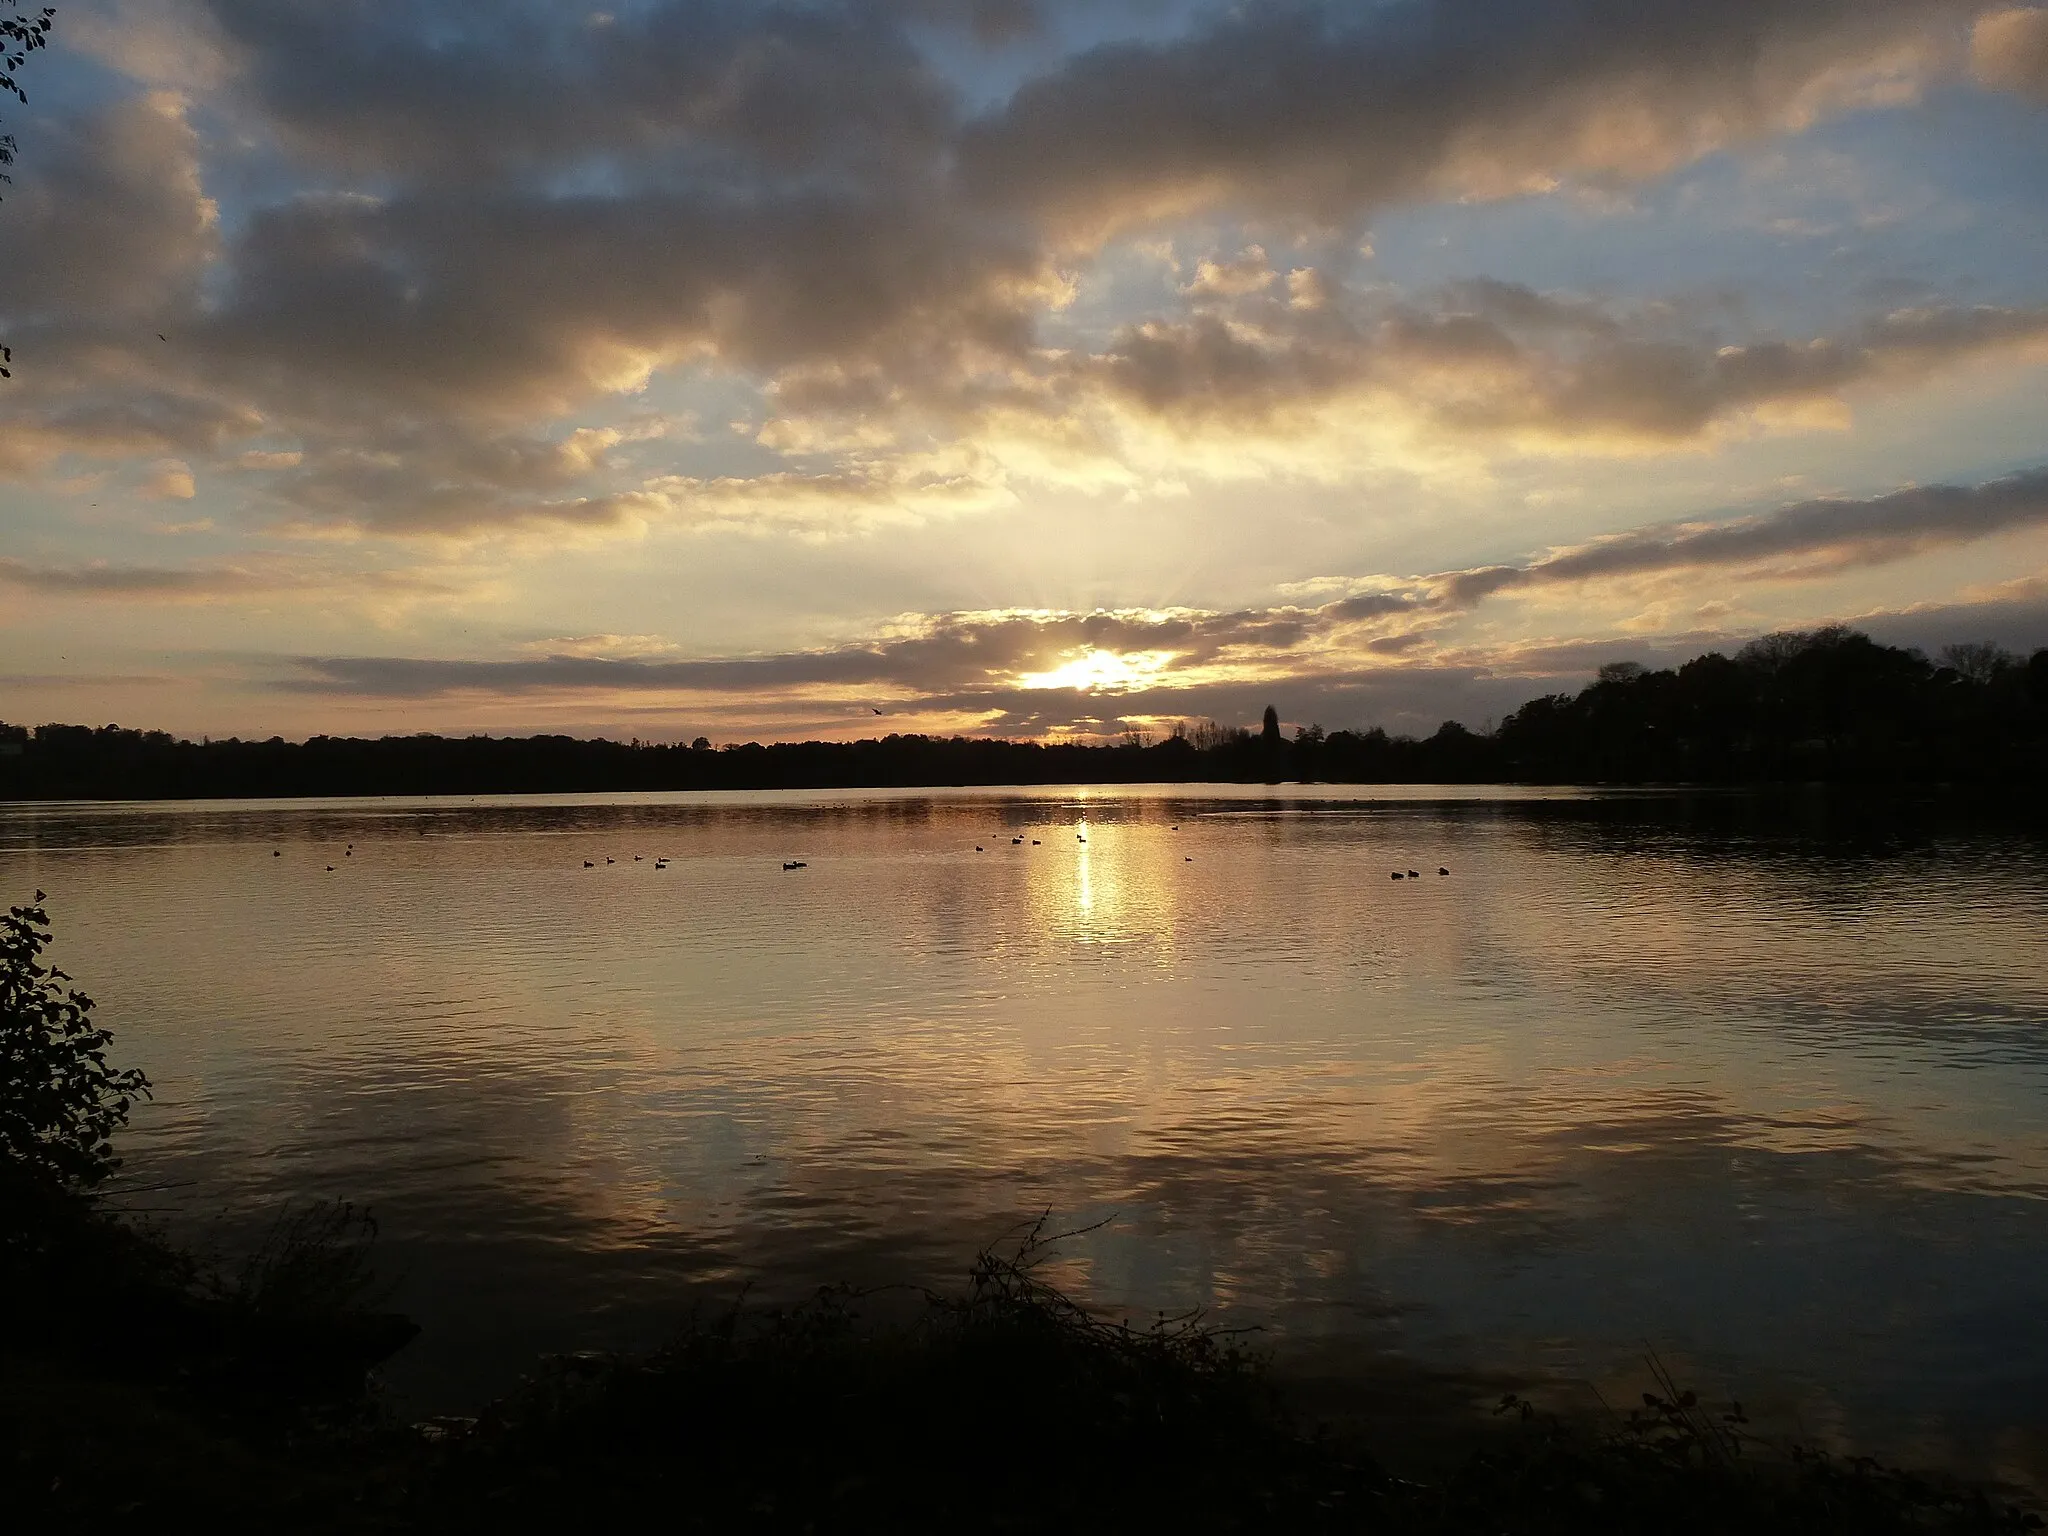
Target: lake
<point>1760,1085</point>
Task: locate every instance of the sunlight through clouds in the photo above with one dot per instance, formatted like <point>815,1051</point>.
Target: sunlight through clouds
<point>1102,672</point>
<point>1220,313</point>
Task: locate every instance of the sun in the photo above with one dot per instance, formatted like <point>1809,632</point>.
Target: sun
<point>1096,671</point>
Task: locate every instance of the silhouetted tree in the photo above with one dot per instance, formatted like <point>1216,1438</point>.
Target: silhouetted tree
<point>1978,661</point>
<point>1827,704</point>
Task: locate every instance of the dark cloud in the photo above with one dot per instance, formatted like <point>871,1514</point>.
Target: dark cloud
<point>947,653</point>
<point>88,680</point>
<point>1825,533</point>
<point>499,214</point>
<point>1407,698</point>
<point>2015,618</point>
<point>119,420</point>
<point>256,578</point>
<point>1333,108</point>
<point>109,219</point>
<point>1494,358</point>
<point>978,662</point>
<point>124,580</point>
<point>2009,49</point>
<point>719,88</point>
<point>517,304</point>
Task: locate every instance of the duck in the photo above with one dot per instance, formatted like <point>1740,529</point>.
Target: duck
<point>1412,875</point>
<point>1398,875</point>
<point>277,853</point>
<point>795,864</point>
<point>1441,870</point>
<point>330,869</point>
<point>588,865</point>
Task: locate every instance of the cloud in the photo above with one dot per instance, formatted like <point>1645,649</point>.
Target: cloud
<point>109,221</point>
<point>812,690</point>
<point>1498,360</point>
<point>1327,110</point>
<point>256,578</point>
<point>455,236</point>
<point>171,44</point>
<point>117,422</point>
<point>128,581</point>
<point>1812,537</point>
<point>1248,274</point>
<point>1369,644</point>
<point>771,89</point>
<point>2009,50</point>
<point>169,480</point>
<point>1254,385</point>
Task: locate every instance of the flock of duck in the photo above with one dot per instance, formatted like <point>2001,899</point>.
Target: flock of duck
<point>789,864</point>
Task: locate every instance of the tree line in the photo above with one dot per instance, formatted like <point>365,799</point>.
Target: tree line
<point>1828,705</point>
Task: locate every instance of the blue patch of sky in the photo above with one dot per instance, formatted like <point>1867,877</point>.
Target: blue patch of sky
<point>60,83</point>
<point>987,72</point>
<point>1939,203</point>
<point>705,402</point>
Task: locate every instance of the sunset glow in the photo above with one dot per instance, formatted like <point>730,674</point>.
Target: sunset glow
<point>1102,672</point>
<point>375,368</point>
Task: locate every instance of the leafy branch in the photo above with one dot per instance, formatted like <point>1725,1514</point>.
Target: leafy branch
<point>60,1102</point>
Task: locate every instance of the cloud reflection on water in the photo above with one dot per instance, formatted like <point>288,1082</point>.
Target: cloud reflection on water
<point>1769,1097</point>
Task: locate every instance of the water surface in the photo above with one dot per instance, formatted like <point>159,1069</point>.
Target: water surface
<point>1758,1086</point>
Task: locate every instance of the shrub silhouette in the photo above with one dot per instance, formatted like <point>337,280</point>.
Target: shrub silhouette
<point>60,1101</point>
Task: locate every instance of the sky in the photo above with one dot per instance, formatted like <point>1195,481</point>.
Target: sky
<point>1011,367</point>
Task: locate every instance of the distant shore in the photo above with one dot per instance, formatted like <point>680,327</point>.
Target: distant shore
<point>1830,706</point>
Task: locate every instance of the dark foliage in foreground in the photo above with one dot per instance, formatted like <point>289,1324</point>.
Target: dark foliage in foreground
<point>1012,1409</point>
<point>60,1102</point>
<point>1006,1408</point>
<point>1831,705</point>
